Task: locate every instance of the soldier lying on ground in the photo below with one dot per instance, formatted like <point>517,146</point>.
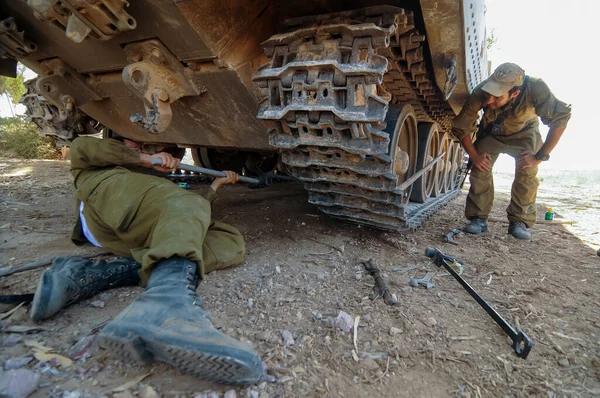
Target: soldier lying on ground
<point>173,242</point>
<point>512,103</point>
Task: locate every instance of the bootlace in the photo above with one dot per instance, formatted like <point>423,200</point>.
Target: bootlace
<point>192,279</point>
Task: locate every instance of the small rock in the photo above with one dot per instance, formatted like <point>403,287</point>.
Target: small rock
<point>403,352</point>
<point>394,331</point>
<point>250,303</point>
<point>358,276</point>
<point>317,315</point>
<point>262,385</point>
<point>407,290</point>
<point>71,394</point>
<point>431,322</point>
<point>262,336</point>
<point>230,394</point>
<point>367,318</point>
<point>564,362</point>
<point>282,380</point>
<point>148,392</point>
<point>84,348</point>
<point>97,304</point>
<point>253,394</point>
<point>18,383</point>
<point>356,379</point>
<point>11,340</point>
<point>288,339</point>
<point>370,364</point>
<point>277,269</point>
<point>212,394</point>
<point>17,363</point>
<point>104,296</point>
<point>344,322</point>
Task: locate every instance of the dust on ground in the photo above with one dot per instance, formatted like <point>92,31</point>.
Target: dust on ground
<point>302,269</point>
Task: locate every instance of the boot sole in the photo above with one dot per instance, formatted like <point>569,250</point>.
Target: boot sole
<point>217,368</point>
<point>41,298</point>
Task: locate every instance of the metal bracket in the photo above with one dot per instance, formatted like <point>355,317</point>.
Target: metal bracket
<point>101,19</point>
<point>13,42</point>
<point>158,79</point>
<point>451,77</point>
<point>63,86</point>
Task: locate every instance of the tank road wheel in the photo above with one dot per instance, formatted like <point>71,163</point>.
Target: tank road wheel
<point>442,174</point>
<point>402,126</point>
<point>428,150</point>
<point>219,159</point>
<point>262,163</point>
<point>463,160</point>
<point>456,162</point>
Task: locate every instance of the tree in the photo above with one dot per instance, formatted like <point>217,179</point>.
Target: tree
<point>13,88</point>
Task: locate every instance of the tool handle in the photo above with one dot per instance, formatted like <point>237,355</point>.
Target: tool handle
<point>522,344</point>
<point>209,172</point>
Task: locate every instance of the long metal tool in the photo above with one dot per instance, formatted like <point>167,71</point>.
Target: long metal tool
<point>522,344</point>
<point>209,172</point>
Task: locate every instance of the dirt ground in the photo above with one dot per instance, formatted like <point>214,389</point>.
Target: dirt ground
<point>302,269</point>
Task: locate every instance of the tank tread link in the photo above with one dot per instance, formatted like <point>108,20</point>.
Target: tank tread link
<point>343,95</point>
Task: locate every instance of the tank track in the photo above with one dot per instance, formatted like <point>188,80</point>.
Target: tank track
<point>328,86</point>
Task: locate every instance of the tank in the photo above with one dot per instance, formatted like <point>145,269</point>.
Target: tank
<point>353,98</point>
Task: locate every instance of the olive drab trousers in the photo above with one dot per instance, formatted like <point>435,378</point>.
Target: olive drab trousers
<point>522,205</point>
<point>158,223</point>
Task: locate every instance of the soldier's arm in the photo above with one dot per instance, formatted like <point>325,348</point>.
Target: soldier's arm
<point>92,153</point>
<point>553,112</point>
<point>465,123</point>
<point>464,127</point>
<point>211,193</point>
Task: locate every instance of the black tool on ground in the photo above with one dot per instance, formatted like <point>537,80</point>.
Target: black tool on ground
<point>449,237</point>
<point>521,342</point>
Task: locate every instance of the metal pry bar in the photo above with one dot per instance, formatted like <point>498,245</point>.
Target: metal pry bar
<point>209,172</point>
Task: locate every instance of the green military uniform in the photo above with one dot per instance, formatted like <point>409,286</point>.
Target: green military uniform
<point>519,131</point>
<point>144,216</point>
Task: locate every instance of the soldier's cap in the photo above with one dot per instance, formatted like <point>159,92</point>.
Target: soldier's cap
<point>505,77</point>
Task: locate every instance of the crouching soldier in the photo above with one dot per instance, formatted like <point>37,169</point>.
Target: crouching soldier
<point>512,105</point>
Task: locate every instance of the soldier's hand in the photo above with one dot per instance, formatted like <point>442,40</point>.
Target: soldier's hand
<point>167,162</point>
<point>482,161</point>
<point>231,177</point>
<point>527,159</point>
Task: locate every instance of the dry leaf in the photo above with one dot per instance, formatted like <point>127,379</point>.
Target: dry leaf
<point>131,383</point>
<point>23,329</point>
<point>9,313</point>
<point>45,356</point>
<point>37,346</point>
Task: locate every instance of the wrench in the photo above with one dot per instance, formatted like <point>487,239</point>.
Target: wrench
<point>449,237</point>
<point>521,342</point>
<point>425,281</point>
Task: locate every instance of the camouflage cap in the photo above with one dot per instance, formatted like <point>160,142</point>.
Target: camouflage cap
<point>505,77</point>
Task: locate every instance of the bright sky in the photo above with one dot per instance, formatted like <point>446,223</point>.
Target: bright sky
<point>556,41</point>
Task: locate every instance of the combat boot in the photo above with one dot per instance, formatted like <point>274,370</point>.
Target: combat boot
<point>71,279</point>
<point>518,229</point>
<point>476,226</point>
<point>167,323</point>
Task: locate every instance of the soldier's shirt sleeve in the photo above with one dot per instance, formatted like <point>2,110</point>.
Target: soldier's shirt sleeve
<point>553,112</point>
<point>465,123</point>
<point>91,153</point>
<point>209,194</point>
